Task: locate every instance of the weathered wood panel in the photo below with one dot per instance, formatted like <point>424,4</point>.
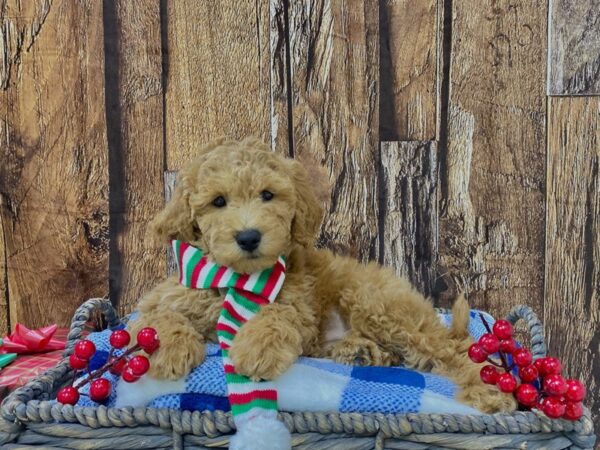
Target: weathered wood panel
<point>280,75</point>
<point>493,170</point>
<point>335,92</point>
<point>408,68</point>
<point>53,158</point>
<point>574,48</point>
<point>217,74</point>
<point>409,213</point>
<point>135,121</point>
<point>572,308</point>
<point>4,324</point>
<point>170,178</point>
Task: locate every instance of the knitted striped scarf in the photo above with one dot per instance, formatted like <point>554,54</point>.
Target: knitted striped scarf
<point>246,294</point>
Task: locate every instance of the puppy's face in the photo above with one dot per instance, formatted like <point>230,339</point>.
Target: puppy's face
<point>242,204</point>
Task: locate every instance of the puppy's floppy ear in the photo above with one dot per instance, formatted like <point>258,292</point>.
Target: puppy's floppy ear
<point>175,221</point>
<point>309,212</point>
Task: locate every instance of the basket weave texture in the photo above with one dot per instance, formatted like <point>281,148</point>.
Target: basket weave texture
<point>29,420</point>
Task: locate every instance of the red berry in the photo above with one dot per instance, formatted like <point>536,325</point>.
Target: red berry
<point>117,365</point>
<point>147,338</point>
<point>119,338</point>
<point>77,363</point>
<point>506,382</point>
<point>128,376</point>
<point>508,345</point>
<point>489,343</point>
<point>527,374</point>
<point>85,349</point>
<point>139,365</point>
<point>573,411</point>
<point>477,353</point>
<point>489,374</point>
<point>522,357</point>
<point>555,385</point>
<point>68,396</point>
<point>575,391</point>
<point>553,407</point>
<point>502,329</point>
<point>527,395</point>
<point>100,389</point>
<point>548,366</point>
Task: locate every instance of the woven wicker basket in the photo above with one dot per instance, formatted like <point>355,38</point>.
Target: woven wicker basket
<point>28,419</point>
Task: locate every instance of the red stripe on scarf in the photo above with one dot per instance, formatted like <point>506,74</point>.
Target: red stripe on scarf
<point>241,399</point>
<point>228,368</point>
<point>231,310</point>
<point>224,346</point>
<point>241,281</point>
<point>225,327</point>
<point>196,272</point>
<point>272,281</point>
<point>220,271</point>
<point>253,297</point>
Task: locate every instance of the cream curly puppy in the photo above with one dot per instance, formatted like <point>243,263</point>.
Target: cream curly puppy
<point>244,205</point>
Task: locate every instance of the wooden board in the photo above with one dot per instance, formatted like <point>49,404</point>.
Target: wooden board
<point>409,212</point>
<point>53,160</point>
<point>280,76</point>
<point>572,309</point>
<point>493,170</point>
<point>217,74</point>
<point>574,48</point>
<point>408,69</point>
<point>335,95</point>
<point>4,323</point>
<point>135,132</point>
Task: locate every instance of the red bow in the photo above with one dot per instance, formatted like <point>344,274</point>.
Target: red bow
<point>24,340</point>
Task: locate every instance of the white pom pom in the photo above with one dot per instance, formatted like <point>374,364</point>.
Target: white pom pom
<point>261,433</point>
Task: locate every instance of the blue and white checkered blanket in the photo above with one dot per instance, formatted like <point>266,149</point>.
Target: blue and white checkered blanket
<point>309,385</point>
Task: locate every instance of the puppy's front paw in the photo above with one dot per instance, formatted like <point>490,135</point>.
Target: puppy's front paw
<point>181,347</point>
<point>262,355</point>
<point>173,362</point>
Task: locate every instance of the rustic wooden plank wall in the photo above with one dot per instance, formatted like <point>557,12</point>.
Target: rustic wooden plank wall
<point>134,105</point>
<point>53,159</point>
<point>455,148</point>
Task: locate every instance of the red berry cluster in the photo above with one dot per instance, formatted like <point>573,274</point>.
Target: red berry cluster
<point>556,398</point>
<point>130,368</point>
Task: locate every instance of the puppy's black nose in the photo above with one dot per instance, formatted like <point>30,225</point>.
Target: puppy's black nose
<point>248,239</point>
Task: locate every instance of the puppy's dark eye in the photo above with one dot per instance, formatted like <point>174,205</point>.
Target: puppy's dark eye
<point>219,201</point>
<point>266,195</point>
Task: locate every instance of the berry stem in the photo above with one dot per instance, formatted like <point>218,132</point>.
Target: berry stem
<point>494,363</point>
<point>489,330</point>
<point>98,372</point>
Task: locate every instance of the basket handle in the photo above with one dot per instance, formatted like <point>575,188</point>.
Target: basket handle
<point>535,327</point>
<point>83,314</point>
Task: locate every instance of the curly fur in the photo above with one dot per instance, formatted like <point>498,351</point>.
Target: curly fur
<point>388,321</point>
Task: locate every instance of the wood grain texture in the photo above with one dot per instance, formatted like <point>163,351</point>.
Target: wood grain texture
<point>493,170</point>
<point>218,74</point>
<point>170,178</point>
<point>53,165</point>
<point>21,24</point>
<point>4,323</point>
<point>279,47</point>
<point>572,308</point>
<point>408,69</point>
<point>409,213</point>
<point>574,48</point>
<point>335,92</point>
<point>135,112</point>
